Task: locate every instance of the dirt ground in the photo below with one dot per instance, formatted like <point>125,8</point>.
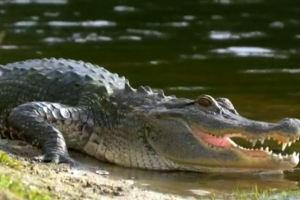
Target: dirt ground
<point>70,183</point>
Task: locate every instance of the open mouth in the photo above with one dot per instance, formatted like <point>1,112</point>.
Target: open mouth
<point>226,142</point>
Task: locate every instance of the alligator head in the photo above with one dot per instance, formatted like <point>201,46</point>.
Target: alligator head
<point>196,135</point>
<point>159,132</point>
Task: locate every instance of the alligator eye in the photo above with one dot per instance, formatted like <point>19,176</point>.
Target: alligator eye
<point>204,100</point>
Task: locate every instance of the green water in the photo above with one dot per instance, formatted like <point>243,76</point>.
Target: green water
<point>247,51</point>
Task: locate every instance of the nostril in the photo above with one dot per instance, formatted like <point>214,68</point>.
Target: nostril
<point>290,125</point>
<point>290,120</point>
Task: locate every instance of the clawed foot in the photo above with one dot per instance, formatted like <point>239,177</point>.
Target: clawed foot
<point>55,158</point>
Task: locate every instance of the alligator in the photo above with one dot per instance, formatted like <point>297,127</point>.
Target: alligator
<point>61,104</point>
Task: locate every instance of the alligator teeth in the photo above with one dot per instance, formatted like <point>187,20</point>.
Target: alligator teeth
<point>270,152</point>
<point>267,149</point>
<point>279,142</point>
<point>294,157</point>
<point>254,142</point>
<point>262,141</point>
<point>289,144</point>
<point>233,143</point>
<point>284,144</point>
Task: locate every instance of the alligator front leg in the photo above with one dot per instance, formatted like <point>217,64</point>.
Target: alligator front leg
<point>42,123</point>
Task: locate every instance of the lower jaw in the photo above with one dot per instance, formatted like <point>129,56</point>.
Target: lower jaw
<point>264,153</point>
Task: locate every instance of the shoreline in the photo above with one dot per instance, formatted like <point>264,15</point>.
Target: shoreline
<point>69,183</point>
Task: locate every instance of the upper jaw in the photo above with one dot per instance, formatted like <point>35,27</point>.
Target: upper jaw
<point>285,132</point>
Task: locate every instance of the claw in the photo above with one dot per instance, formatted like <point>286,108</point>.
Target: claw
<point>55,158</point>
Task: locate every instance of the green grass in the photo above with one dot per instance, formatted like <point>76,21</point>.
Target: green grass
<point>8,161</point>
<point>18,188</point>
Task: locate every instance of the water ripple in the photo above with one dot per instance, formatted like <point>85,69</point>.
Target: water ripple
<point>51,14</point>
<point>19,30</point>
<point>172,24</point>
<point>223,1</point>
<point>177,24</point>
<point>277,25</point>
<point>92,37</point>
<point>189,17</point>
<point>154,62</point>
<point>185,88</point>
<point>271,71</point>
<point>123,8</point>
<point>250,51</point>
<point>79,38</point>
<point>53,40</point>
<point>130,37</point>
<point>34,2</point>
<point>193,56</point>
<point>227,35</point>
<point>97,23</point>
<point>26,23</point>
<point>145,32</point>
<point>9,47</point>
<point>237,2</point>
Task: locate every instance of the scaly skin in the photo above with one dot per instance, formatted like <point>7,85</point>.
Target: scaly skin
<point>57,104</point>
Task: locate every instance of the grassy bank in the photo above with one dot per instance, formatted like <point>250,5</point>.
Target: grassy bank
<point>12,188</point>
<point>19,190</point>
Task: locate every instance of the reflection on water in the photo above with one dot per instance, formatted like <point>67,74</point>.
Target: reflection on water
<point>124,9</point>
<point>145,32</point>
<point>25,23</point>
<point>33,2</point>
<point>271,71</point>
<point>229,48</point>
<point>249,51</point>
<point>190,184</point>
<point>98,23</point>
<point>9,47</point>
<point>227,35</point>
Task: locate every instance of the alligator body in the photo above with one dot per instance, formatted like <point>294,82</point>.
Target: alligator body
<point>59,104</point>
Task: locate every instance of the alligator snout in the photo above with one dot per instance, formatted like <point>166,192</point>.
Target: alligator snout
<point>290,127</point>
